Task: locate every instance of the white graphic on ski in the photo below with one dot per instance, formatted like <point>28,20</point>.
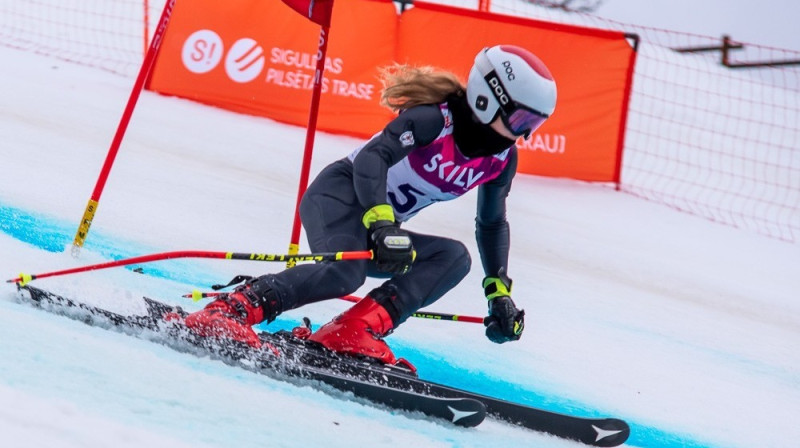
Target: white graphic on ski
<point>603,433</point>
<point>458,415</point>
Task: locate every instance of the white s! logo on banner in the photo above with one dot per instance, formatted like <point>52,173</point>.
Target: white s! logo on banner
<point>202,51</point>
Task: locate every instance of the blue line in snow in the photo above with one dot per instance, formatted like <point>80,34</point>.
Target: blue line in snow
<point>53,235</point>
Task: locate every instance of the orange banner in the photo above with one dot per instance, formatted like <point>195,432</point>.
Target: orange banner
<point>258,57</point>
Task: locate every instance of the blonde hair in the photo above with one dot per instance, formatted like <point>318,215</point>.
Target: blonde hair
<point>406,86</point>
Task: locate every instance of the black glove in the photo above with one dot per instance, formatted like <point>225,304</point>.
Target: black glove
<point>391,247</point>
<point>505,322</point>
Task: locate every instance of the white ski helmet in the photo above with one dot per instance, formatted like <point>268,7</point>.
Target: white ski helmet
<point>512,82</point>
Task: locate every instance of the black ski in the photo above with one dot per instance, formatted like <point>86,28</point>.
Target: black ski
<point>389,385</point>
<point>604,432</point>
<point>461,411</point>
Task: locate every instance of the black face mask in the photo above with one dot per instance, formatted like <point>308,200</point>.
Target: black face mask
<point>473,138</point>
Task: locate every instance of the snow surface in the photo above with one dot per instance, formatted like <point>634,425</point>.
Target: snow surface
<point>688,330</point>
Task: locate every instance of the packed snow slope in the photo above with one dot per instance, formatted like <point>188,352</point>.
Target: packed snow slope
<point>688,330</point>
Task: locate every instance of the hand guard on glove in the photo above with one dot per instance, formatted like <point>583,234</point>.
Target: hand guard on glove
<point>392,250</point>
<point>505,322</point>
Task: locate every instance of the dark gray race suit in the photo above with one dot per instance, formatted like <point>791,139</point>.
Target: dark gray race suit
<point>333,205</point>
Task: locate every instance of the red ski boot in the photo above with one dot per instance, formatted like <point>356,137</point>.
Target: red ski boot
<point>232,315</point>
<point>359,331</point>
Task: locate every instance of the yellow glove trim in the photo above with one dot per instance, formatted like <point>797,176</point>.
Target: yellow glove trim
<point>494,287</point>
<point>381,212</point>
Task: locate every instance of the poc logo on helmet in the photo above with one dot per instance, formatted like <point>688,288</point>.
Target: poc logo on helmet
<point>498,90</point>
<point>509,70</point>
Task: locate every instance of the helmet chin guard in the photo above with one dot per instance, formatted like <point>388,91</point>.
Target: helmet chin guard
<point>510,82</point>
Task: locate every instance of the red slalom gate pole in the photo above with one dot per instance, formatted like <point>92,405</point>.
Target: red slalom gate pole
<point>294,242</point>
<point>144,71</point>
<point>23,279</point>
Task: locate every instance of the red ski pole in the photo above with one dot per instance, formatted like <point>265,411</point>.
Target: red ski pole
<point>197,295</point>
<point>432,315</point>
<point>322,256</point>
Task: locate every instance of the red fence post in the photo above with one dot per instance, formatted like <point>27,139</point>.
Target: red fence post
<point>146,32</point>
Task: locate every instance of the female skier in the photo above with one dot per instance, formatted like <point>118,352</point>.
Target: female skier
<point>446,140</point>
